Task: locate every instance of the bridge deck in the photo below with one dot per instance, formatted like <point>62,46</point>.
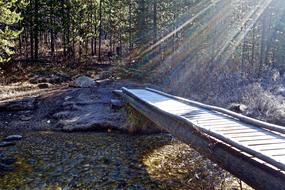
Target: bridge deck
<point>259,143</point>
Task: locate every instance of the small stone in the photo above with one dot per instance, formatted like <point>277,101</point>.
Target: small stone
<point>5,144</point>
<point>13,138</point>
<point>8,161</point>
<point>86,166</point>
<point>31,161</point>
<point>103,81</point>
<point>25,118</point>
<point>6,168</point>
<point>116,103</point>
<point>118,93</point>
<point>238,108</point>
<point>43,85</point>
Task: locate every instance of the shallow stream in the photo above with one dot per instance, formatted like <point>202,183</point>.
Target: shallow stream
<point>108,160</point>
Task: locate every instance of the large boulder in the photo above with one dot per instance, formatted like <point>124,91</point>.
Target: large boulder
<point>92,122</point>
<point>83,82</point>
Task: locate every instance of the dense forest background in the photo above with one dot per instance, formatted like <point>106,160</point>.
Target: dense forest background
<point>211,50</point>
<point>247,33</point>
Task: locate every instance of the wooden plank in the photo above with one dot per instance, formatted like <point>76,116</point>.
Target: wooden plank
<point>237,129</point>
<point>219,122</point>
<point>259,134</point>
<point>254,138</point>
<point>266,142</point>
<point>248,131</point>
<point>203,117</point>
<point>270,147</point>
<point>281,159</point>
<point>214,126</point>
<point>275,152</point>
<point>225,127</point>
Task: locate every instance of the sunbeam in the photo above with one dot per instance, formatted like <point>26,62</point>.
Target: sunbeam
<point>181,27</point>
<point>238,35</point>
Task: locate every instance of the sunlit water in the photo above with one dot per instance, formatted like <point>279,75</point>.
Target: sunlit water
<point>54,160</point>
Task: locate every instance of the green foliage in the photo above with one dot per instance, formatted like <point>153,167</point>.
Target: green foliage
<point>9,16</point>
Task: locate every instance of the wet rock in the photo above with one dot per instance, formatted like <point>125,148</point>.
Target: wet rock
<point>43,85</point>
<point>13,138</point>
<point>25,118</point>
<point>83,82</point>
<point>6,143</point>
<point>103,82</point>
<point>115,103</point>
<point>20,105</point>
<point>8,161</point>
<point>118,93</point>
<point>71,106</point>
<point>238,108</point>
<point>31,161</point>
<point>62,115</point>
<point>6,168</point>
<point>95,121</point>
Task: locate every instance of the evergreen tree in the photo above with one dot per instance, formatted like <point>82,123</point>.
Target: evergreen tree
<point>9,17</point>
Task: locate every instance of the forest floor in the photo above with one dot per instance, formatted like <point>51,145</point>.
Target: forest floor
<point>108,158</point>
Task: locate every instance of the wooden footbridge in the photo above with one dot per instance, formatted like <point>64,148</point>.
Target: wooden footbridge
<point>252,150</point>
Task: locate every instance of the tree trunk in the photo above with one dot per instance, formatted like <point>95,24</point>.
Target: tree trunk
<point>142,21</point>
<point>36,35</point>
<point>154,20</point>
<point>100,29</point>
<point>263,44</point>
<point>64,27</point>
<point>130,27</point>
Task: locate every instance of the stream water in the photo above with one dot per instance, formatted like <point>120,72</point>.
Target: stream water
<point>102,160</point>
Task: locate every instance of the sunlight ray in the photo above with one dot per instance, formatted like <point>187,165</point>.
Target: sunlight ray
<point>213,3</point>
<point>239,35</point>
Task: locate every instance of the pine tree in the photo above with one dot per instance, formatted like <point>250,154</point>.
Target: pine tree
<point>9,16</point>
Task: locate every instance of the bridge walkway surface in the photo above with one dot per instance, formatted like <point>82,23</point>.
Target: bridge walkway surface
<point>250,149</point>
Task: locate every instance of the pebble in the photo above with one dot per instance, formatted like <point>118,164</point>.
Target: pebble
<point>31,161</point>
<point>25,118</point>
<point>8,161</point>
<point>6,168</point>
<point>43,85</point>
<point>13,138</point>
<point>6,143</point>
<point>116,103</point>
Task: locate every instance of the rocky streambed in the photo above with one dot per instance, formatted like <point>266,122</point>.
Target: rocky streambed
<point>102,160</point>
<point>76,138</point>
